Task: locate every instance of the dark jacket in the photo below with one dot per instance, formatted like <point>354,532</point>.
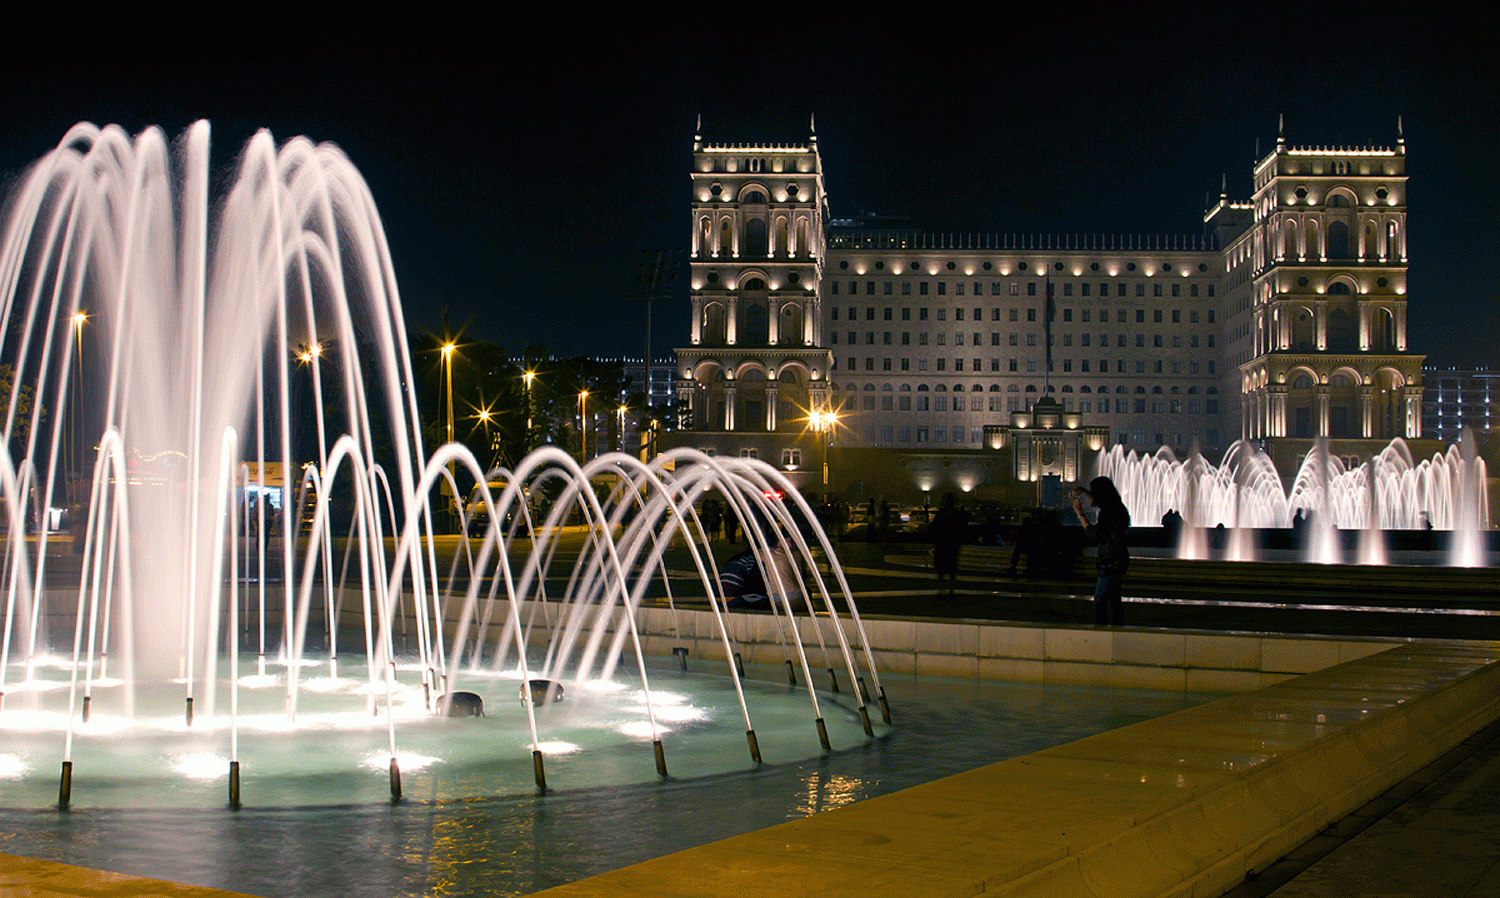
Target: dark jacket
<point>1110,532</point>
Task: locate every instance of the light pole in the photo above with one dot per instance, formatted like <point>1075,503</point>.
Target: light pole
<point>528,377</point>
<point>76,416</point>
<point>823,421</point>
<point>448,488</point>
<point>583,437</point>
<point>620,430</point>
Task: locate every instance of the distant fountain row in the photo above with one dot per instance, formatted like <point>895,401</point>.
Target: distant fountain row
<point>1390,492</point>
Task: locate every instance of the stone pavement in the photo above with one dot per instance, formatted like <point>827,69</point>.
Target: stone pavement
<point>1437,833</point>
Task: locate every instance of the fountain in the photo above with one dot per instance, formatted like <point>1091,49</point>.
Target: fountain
<point>193,618</point>
<point>1392,491</point>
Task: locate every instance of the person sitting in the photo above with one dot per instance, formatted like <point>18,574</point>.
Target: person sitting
<point>744,586</point>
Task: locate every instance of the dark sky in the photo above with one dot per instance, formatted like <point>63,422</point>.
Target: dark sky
<point>522,169</point>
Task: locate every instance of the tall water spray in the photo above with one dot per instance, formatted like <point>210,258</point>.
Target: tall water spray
<point>173,356</point>
<point>157,340</point>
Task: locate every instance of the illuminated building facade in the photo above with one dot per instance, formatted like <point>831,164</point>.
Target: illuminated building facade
<point>1458,398</point>
<point>1315,293</point>
<point>1285,321</point>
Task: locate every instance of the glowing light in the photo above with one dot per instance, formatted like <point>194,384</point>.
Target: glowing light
<point>408,761</point>
<point>259,681</point>
<point>201,765</point>
<point>557,748</point>
<point>12,767</point>
<point>639,729</point>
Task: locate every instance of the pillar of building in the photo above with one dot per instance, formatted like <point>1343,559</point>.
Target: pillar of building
<point>729,395</point>
<point>1276,423</point>
<point>1320,317</point>
<point>1367,411</point>
<point>771,396</point>
<point>1324,401</point>
<point>1413,411</point>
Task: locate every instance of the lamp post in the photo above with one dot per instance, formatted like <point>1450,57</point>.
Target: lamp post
<point>528,377</point>
<point>75,416</point>
<point>307,353</point>
<point>583,436</point>
<point>448,488</point>
<point>823,421</point>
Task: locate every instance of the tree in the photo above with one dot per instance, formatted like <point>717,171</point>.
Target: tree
<point>21,430</point>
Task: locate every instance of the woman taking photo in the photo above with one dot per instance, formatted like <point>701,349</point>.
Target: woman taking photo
<point>1109,532</point>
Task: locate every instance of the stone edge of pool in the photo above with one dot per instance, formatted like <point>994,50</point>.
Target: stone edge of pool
<point>1183,805</point>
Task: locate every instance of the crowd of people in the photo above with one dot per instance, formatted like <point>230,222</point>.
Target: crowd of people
<point>767,571</point>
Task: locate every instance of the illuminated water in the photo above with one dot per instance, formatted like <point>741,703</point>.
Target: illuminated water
<point>208,368</point>
<point>337,753</point>
<point>1391,491</point>
<point>516,845</point>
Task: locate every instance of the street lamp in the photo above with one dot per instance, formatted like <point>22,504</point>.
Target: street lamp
<point>528,377</point>
<point>448,488</point>
<point>583,438</point>
<point>75,416</point>
<point>823,421</point>
<point>620,430</point>
<point>309,352</point>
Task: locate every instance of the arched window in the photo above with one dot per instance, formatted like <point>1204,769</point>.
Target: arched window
<point>713,324</point>
<point>790,331</point>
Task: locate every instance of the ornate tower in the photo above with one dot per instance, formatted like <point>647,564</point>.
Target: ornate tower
<point>1321,304</point>
<point>757,368</point>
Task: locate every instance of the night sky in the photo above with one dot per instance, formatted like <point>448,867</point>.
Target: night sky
<point>528,166</point>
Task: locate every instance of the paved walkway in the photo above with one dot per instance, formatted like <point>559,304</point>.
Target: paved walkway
<point>1435,834</point>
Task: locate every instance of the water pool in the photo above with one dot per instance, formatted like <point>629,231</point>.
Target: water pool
<point>523,843</point>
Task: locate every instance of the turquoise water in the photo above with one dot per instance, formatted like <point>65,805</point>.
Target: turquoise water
<point>515,843</point>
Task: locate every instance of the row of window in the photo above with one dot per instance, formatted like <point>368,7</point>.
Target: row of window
<point>905,433</point>
<point>1158,366</point>
<point>1123,405</point>
<point>1122,316</point>
<point>887,338</point>
<point>997,288</point>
